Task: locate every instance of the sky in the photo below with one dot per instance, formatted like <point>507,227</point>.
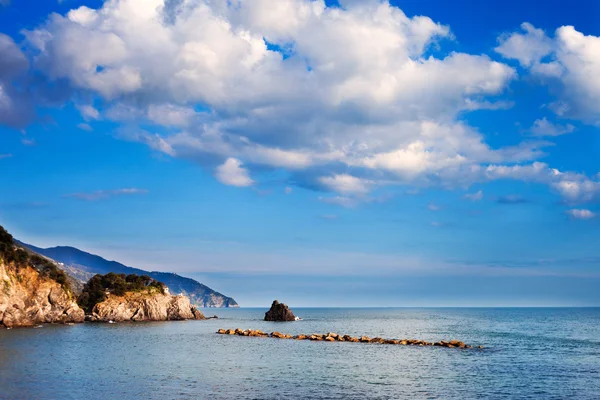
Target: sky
<point>337,153</point>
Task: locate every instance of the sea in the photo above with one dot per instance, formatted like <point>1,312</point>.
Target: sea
<point>528,353</point>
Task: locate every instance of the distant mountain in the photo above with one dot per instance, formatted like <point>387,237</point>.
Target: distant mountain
<point>82,266</point>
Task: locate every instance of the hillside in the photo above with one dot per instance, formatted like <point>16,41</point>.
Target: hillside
<point>82,266</point>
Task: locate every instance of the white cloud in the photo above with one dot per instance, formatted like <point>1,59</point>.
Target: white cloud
<point>171,115</point>
<point>288,190</point>
<point>529,47</point>
<point>543,127</point>
<point>85,127</point>
<point>573,187</point>
<point>477,196</point>
<point>88,112</point>
<point>581,214</point>
<point>570,58</point>
<point>344,183</point>
<point>2,156</point>
<point>355,88</point>
<point>232,173</point>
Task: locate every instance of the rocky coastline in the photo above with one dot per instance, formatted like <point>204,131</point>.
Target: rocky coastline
<point>28,299</point>
<point>334,337</point>
<point>143,307</point>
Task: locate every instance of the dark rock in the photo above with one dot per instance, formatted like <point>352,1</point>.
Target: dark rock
<point>279,312</point>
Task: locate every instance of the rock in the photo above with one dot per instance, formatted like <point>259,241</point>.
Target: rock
<point>334,337</point>
<point>279,312</point>
<point>138,306</point>
<point>29,299</point>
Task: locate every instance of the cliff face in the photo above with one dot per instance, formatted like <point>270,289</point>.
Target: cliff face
<point>28,299</point>
<point>144,307</point>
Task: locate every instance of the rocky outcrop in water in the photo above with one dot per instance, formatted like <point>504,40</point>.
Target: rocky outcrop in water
<point>279,312</point>
<point>144,307</point>
<point>27,298</point>
<point>334,337</point>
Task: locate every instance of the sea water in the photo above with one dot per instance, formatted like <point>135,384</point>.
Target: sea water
<point>528,353</point>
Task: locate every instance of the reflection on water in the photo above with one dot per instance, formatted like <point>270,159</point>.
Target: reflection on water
<point>529,353</point>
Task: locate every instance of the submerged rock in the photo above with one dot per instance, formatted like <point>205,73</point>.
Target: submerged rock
<point>279,312</point>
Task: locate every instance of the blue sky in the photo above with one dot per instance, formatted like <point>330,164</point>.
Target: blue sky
<point>356,153</point>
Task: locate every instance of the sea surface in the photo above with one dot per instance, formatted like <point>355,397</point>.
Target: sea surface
<point>536,353</point>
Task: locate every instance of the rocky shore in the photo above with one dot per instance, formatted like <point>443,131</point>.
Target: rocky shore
<point>143,307</point>
<point>334,337</point>
<point>27,299</point>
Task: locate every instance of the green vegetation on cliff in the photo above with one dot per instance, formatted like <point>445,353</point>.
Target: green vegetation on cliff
<point>95,291</point>
<point>20,258</point>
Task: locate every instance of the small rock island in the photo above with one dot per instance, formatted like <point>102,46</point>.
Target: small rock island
<point>279,312</point>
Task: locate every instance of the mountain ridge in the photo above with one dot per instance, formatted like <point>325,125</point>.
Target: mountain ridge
<point>82,265</point>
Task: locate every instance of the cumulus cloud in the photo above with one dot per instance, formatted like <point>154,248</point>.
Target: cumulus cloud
<point>569,59</point>
<point>343,99</point>
<point>543,127</point>
<point>580,214</point>
<point>573,187</point>
<point>344,183</point>
<point>105,194</point>
<point>232,173</point>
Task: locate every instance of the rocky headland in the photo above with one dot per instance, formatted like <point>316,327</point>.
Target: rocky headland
<point>120,297</point>
<point>279,312</point>
<point>33,290</point>
<point>144,307</point>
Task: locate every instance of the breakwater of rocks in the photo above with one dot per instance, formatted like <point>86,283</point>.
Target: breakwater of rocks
<point>334,337</point>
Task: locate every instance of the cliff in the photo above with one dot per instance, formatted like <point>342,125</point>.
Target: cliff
<point>144,307</point>
<point>82,266</point>
<point>27,298</point>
